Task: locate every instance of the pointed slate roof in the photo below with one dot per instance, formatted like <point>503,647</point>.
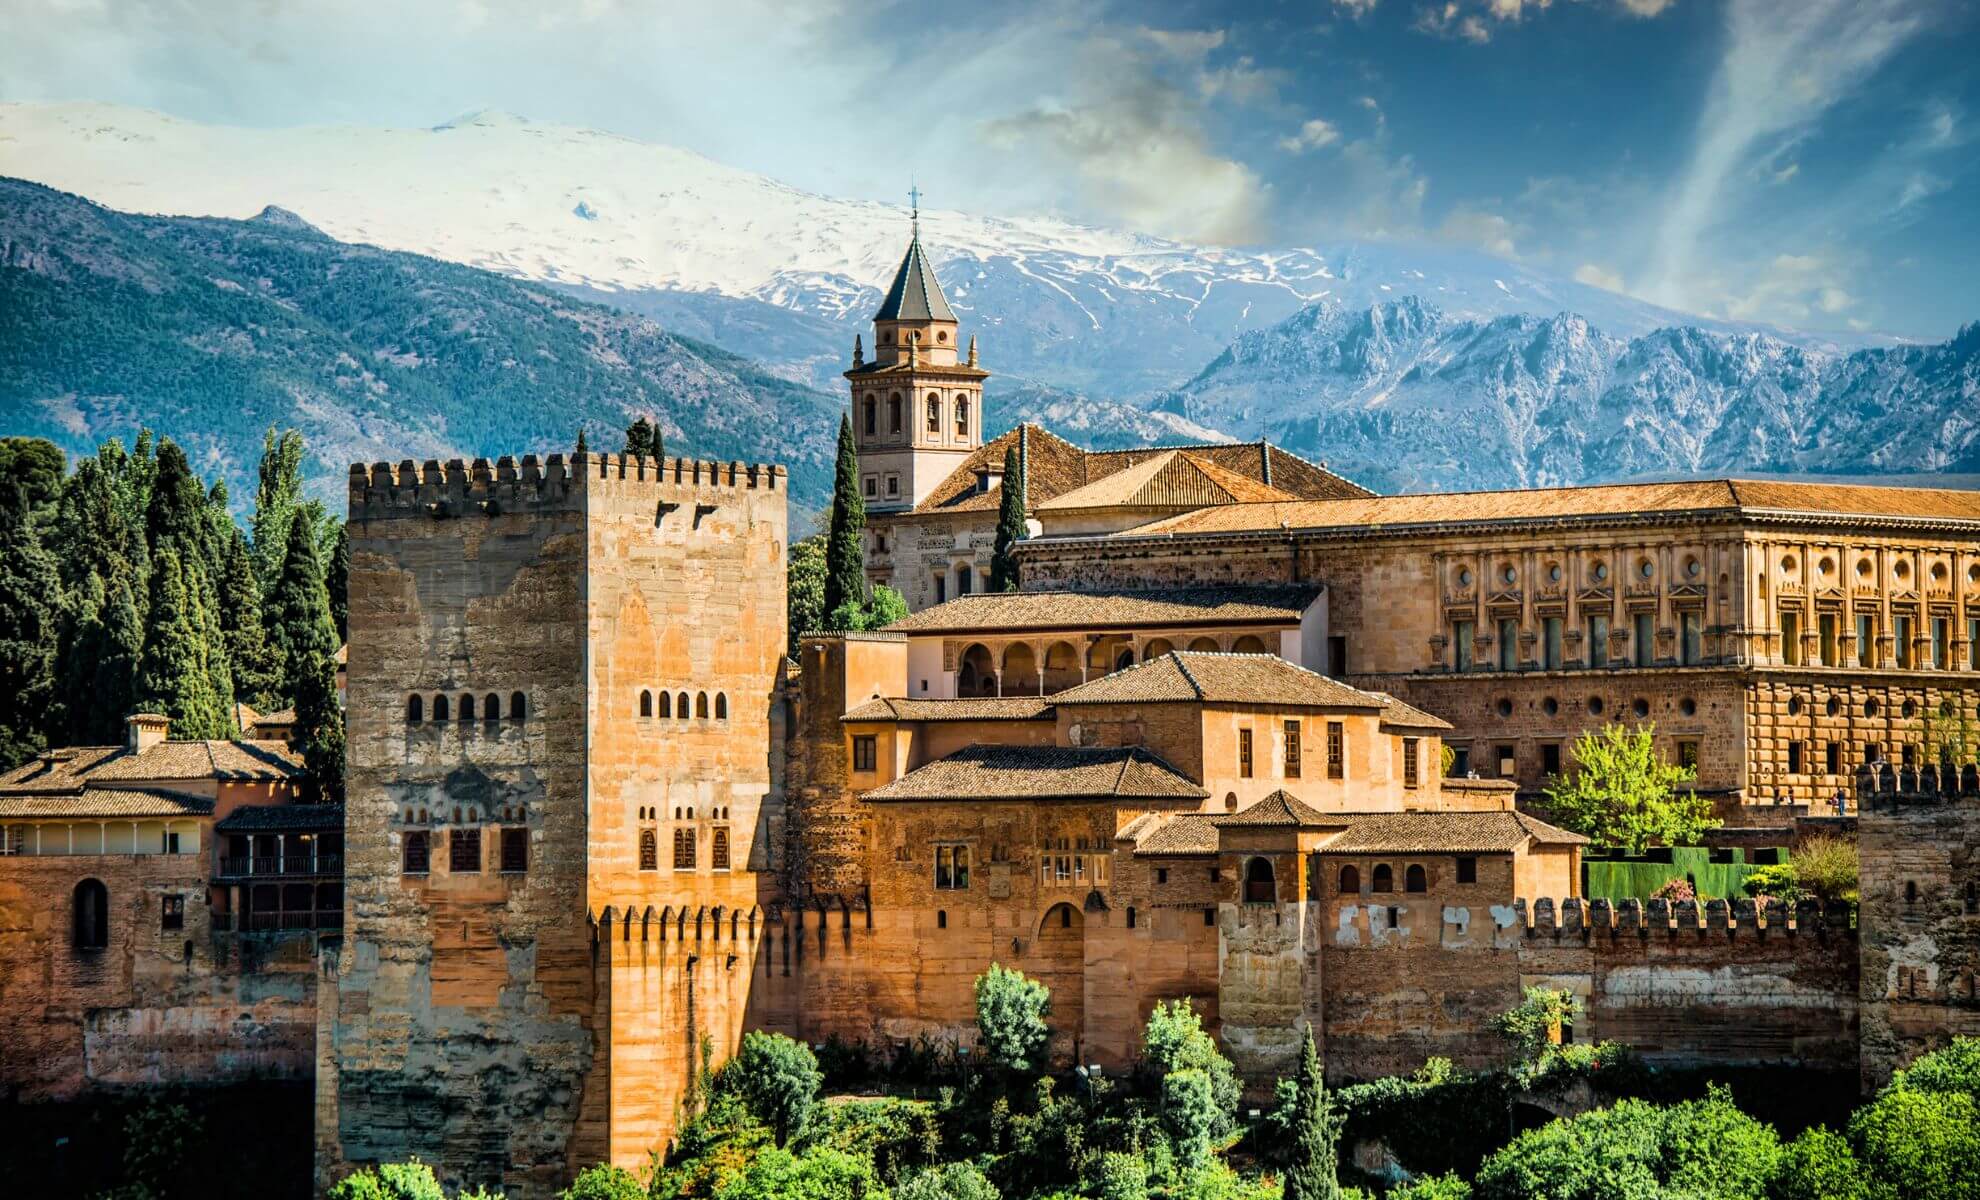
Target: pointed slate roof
<point>915,295</point>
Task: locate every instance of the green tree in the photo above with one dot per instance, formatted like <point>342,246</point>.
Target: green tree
<point>1174,1040</point>
<point>390,1181</point>
<point>1535,1023</point>
<point>1188,1115</point>
<point>1432,1187</point>
<point>821,1173</point>
<point>30,625</point>
<point>778,1078</point>
<point>604,1182</point>
<point>950,1181</point>
<point>1010,523</point>
<point>804,592</point>
<point>643,438</point>
<point>1637,1151</point>
<point>1120,1176</point>
<point>299,624</point>
<point>1313,1173</point>
<point>885,608</point>
<point>845,548</point>
<point>1819,1165</point>
<point>1623,794</point>
<point>1954,1067</point>
<point>1011,1009</point>
<point>177,516</point>
<point>337,581</point>
<point>1925,1145</point>
<point>173,675</point>
<point>256,674</point>
<point>276,495</point>
<point>37,465</point>
<point>1825,866</point>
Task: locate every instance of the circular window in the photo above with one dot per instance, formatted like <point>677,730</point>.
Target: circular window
<point>1508,574</point>
<point>1833,707</point>
<point>1601,572</point>
<point>1504,707</point>
<point>1692,567</point>
<point>942,336</point>
<point>1550,706</point>
<point>1594,706</point>
<point>1688,707</point>
<point>1939,572</point>
<point>1827,567</point>
<point>1640,707</point>
<point>1787,565</point>
<point>1794,706</point>
<point>1973,573</point>
<point>1902,570</point>
<point>1870,708</point>
<point>1554,572</point>
<point>916,336</point>
<point>1909,708</point>
<point>1464,577</point>
<point>1646,568</point>
<point>1863,568</point>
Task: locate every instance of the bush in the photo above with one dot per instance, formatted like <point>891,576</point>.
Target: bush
<point>1676,891</point>
<point>1436,1121</point>
<point>1826,867</point>
<point>1010,1017</point>
<point>1637,1151</point>
<point>390,1181</point>
<point>711,1149</point>
<point>1818,1165</point>
<point>605,1182</point>
<point>1121,1177</point>
<point>1438,1187</point>
<point>1188,1114</point>
<point>1216,1181</point>
<point>1173,1040</point>
<point>1955,1068</point>
<point>819,1174</point>
<point>950,1181</point>
<point>1927,1144</point>
<point>778,1078</point>
<point>1535,1022</point>
<point>897,1135</point>
<point>1779,882</point>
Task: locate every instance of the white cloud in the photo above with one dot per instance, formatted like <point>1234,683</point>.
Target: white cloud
<point>1919,185</point>
<point>1311,136</point>
<point>1645,8</point>
<point>1488,231</point>
<point>1595,275</point>
<point>1476,20</point>
<point>1356,8</point>
<point>1788,172</point>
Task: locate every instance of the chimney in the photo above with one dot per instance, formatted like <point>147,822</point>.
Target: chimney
<point>142,731</point>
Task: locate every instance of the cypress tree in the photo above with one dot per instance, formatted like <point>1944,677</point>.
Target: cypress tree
<point>256,675</point>
<point>30,622</point>
<point>319,728</point>
<point>1010,524</point>
<point>276,495</point>
<point>299,611</point>
<point>173,672</point>
<point>76,657</point>
<point>1312,1174</point>
<point>117,658</point>
<point>845,550</point>
<point>176,517</point>
<point>337,581</point>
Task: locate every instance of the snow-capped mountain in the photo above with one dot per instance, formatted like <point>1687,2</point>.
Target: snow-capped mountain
<point>758,267</point>
<point>1405,396</point>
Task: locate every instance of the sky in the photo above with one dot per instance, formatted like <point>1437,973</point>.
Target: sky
<point>1807,163</point>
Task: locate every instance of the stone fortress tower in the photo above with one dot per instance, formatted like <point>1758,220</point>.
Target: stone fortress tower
<point>917,409</point>
<point>558,827</point>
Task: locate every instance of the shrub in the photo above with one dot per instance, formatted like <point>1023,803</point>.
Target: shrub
<point>1927,1144</point>
<point>390,1181</point>
<point>897,1135</point>
<point>1536,1021</point>
<point>1955,1068</point>
<point>1825,866</point>
<point>1173,1040</point>
<point>711,1149</point>
<point>819,1174</point>
<point>1216,1181</point>
<point>1010,1017</point>
<point>1623,793</point>
<point>1436,1187</point>
<point>605,1182</point>
<point>778,1078</point>
<point>950,1181</point>
<point>1121,1177</point>
<point>1637,1151</point>
<point>1818,1165</point>
<point>1676,891</point>
<point>1188,1113</point>
<point>1780,882</point>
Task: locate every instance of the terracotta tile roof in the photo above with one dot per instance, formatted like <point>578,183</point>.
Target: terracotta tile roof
<point>60,770</point>
<point>987,708</point>
<point>1700,496</point>
<point>1281,808</point>
<point>1445,833</point>
<point>1177,834</point>
<point>1043,773</point>
<point>105,802</point>
<point>74,767</point>
<point>1054,467</point>
<point>1399,715</point>
<point>1173,479</point>
<point>983,612</point>
<point>1216,678</point>
<point>274,818</point>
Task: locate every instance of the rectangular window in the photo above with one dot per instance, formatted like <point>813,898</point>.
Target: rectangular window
<point>865,754</point>
<point>1646,639</point>
<point>169,843</point>
<point>1463,634</point>
<point>1973,644</point>
<point>1834,757</point>
<point>962,581</point>
<point>952,867</point>
<point>684,849</point>
<point>718,850</point>
<point>649,850</point>
<point>1598,641</point>
<point>1688,754</point>
<point>1161,874</point>
<point>515,851</point>
<point>464,851</point>
<point>173,914</point>
<point>1825,632</point>
<point>1244,754</point>
<point>1941,643</point>
<point>872,487</point>
<point>416,853</point>
<point>1550,643</point>
<point>1467,869</point>
<point>1336,750</point>
<point>1508,762</point>
<point>1873,752</point>
<point>1550,758</point>
<point>1460,761</point>
<point>1791,638</point>
<point>1292,750</point>
<point>1794,758</point>
<point>1691,639</point>
<point>1901,626</point>
<point>1866,640</point>
<point>893,485</point>
<point>1210,916</point>
<point>1508,645</point>
<point>1337,664</point>
<point>941,588</point>
<point>1410,775</point>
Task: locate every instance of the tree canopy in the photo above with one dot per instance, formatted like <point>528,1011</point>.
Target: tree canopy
<point>1624,795</point>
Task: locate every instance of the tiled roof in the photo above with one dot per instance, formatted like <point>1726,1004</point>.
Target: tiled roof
<point>1239,604</point>
<point>1701,496</point>
<point>273,818</point>
<point>1399,715</point>
<point>1281,808</point>
<point>1216,678</point>
<point>1173,479</point>
<point>1043,773</point>
<point>1445,833</point>
<point>1054,467</point>
<point>105,802</point>
<point>990,708</point>
<point>915,294</point>
<point>60,770</point>
<point>1181,833</point>
<point>74,767</point>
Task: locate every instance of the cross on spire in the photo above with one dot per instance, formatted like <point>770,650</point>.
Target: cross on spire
<point>914,204</point>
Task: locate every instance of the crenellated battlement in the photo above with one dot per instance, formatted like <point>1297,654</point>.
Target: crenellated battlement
<point>459,488</point>
<point>1575,916</point>
<point>1883,786</point>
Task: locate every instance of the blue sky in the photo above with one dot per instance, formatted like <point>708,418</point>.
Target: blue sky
<point>1811,163</point>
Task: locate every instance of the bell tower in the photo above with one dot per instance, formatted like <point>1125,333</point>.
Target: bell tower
<point>917,407</point>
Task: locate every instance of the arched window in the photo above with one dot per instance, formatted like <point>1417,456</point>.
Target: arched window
<point>516,706</point>
<point>491,707</point>
<point>645,703</point>
<point>1385,879</point>
<point>701,704</point>
<point>92,915</point>
<point>870,417</point>
<point>415,709</point>
<point>721,706</point>
<point>894,413</point>
<point>681,707</point>
<point>439,708</point>
<point>1259,887</point>
<point>934,415</point>
<point>649,851</point>
<point>1350,882</point>
<point>962,417</point>
<point>467,707</point>
<point>1414,880</point>
<point>718,850</point>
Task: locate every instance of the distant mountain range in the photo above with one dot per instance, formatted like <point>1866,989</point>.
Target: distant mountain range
<point>209,330</point>
<point>1402,396</point>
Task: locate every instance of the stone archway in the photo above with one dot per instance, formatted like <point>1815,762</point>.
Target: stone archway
<point>1058,960</point>
<point>1062,669</point>
<point>976,675</point>
<point>1020,670</point>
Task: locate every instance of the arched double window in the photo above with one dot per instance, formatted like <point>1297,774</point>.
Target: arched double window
<point>1414,879</point>
<point>91,915</point>
<point>1385,879</point>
